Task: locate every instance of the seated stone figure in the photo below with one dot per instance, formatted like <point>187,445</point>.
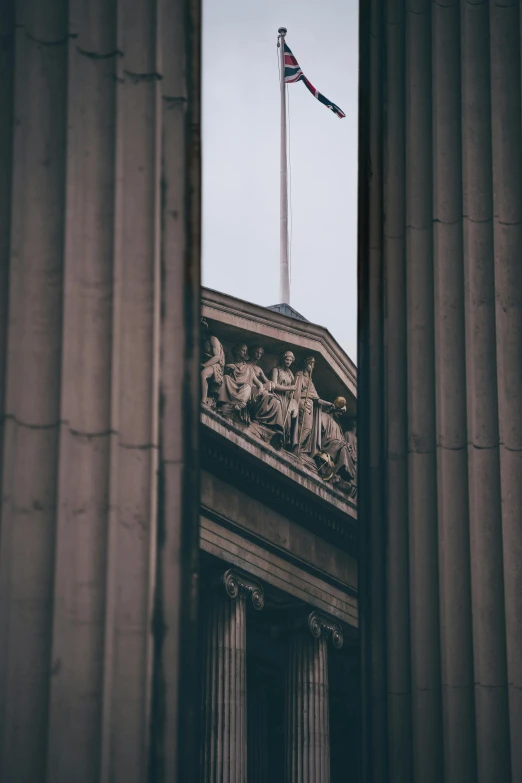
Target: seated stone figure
<point>334,458</point>
<point>351,439</point>
<point>256,353</point>
<point>212,365</point>
<point>265,405</point>
<point>238,381</point>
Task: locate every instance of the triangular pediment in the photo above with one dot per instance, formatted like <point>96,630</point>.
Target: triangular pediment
<point>233,321</point>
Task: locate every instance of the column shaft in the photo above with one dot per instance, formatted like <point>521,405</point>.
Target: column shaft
<point>507,232</point>
<point>85,404</point>
<point>308,733</point>
<point>370,439</point>
<point>179,414</point>
<point>395,359</point>
<point>258,739</point>
<point>97,524</point>
<point>32,388</point>
<point>450,365</point>
<point>489,649</point>
<point>455,77</point>
<point>224,754</point>
<point>422,488</point>
<point>132,534</point>
<point>7,25</point>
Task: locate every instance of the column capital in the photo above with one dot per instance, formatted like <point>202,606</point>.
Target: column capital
<point>237,582</point>
<point>320,624</point>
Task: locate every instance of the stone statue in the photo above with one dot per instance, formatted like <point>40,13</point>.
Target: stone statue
<point>238,381</point>
<point>256,354</point>
<point>266,407</point>
<point>283,409</point>
<point>334,458</point>
<point>212,364</point>
<point>306,435</point>
<point>283,380</point>
<point>351,439</point>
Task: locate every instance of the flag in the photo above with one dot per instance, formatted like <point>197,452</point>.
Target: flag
<point>293,73</point>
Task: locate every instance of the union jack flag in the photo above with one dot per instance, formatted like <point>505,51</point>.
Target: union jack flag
<point>293,73</point>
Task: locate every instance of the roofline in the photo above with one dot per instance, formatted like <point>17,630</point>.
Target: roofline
<point>306,327</point>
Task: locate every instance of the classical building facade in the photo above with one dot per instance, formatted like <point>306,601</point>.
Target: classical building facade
<point>100,369</point>
<point>278,571</point>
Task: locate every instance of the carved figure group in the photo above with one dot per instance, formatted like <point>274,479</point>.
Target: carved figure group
<point>287,406</point>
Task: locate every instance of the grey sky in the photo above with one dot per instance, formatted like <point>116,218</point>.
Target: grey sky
<point>241,156</point>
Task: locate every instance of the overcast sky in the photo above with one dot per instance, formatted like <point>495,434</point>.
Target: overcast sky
<point>241,127</point>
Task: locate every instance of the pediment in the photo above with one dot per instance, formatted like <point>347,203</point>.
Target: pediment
<point>234,321</point>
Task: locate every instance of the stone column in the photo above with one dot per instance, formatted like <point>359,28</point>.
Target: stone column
<point>258,730</point>
<point>440,361</point>
<point>308,734</point>
<point>420,395</point>
<point>224,751</point>
<point>99,305</point>
<point>397,665</point>
<point>456,646</point>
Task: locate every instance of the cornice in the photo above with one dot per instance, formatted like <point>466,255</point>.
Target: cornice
<point>266,484</point>
<point>261,316</point>
<point>278,461</point>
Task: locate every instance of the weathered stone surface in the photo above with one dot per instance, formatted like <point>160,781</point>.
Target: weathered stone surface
<point>284,462</point>
<point>224,748</point>
<point>308,729</point>
<point>309,587</point>
<point>278,332</point>
<point>276,390</point>
<point>258,740</point>
<point>99,225</point>
<point>440,369</point>
<point>273,529</point>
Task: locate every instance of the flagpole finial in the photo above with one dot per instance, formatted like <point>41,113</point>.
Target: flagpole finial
<point>282,31</point>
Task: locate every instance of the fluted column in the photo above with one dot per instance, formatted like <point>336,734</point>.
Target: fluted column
<point>398,663</point>
<point>99,308</point>
<point>422,477</point>
<point>489,647</point>
<point>258,749</point>
<point>224,751</point>
<point>449,206</point>
<point>450,393</point>
<point>308,733</point>
<point>506,100</point>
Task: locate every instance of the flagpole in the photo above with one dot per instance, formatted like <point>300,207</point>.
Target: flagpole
<point>284,268</point>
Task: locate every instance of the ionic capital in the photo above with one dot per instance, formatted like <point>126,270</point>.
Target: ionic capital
<point>321,625</point>
<point>237,583</point>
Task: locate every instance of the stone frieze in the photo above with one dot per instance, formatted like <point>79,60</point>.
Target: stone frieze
<point>282,407</point>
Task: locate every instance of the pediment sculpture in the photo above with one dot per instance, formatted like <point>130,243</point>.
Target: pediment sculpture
<point>284,409</point>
